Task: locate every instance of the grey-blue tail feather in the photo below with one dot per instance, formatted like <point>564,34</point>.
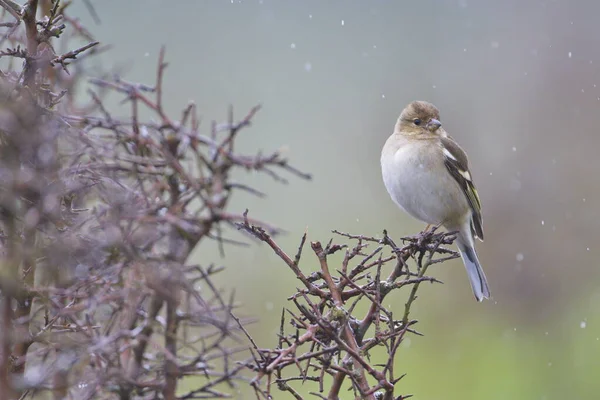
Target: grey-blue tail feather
<point>474,271</point>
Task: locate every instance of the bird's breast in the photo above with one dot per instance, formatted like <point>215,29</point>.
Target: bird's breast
<point>418,183</point>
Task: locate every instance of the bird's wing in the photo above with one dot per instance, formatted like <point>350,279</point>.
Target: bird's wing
<point>457,164</point>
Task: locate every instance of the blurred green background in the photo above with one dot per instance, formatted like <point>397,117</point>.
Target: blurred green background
<point>516,83</point>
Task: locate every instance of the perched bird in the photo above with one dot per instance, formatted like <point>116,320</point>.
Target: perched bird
<point>427,175</point>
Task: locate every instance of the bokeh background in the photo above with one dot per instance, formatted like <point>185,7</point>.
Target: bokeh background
<point>518,85</point>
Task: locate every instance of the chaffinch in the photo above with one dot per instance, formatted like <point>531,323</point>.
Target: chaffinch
<point>427,175</point>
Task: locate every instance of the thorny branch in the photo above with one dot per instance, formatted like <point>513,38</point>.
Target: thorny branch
<point>327,339</point>
<point>98,218</point>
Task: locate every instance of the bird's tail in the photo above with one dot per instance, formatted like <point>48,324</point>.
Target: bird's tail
<point>474,271</point>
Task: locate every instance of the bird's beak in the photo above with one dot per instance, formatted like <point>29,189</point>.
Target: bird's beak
<point>433,125</point>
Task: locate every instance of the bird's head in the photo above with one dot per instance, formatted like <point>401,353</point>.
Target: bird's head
<point>419,117</point>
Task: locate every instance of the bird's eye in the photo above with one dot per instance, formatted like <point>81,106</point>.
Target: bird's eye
<point>417,121</point>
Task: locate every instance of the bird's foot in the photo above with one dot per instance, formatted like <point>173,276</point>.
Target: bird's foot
<point>428,235</point>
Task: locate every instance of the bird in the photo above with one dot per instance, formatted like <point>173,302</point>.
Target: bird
<point>426,173</point>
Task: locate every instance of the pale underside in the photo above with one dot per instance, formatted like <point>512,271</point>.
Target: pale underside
<point>432,198</point>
